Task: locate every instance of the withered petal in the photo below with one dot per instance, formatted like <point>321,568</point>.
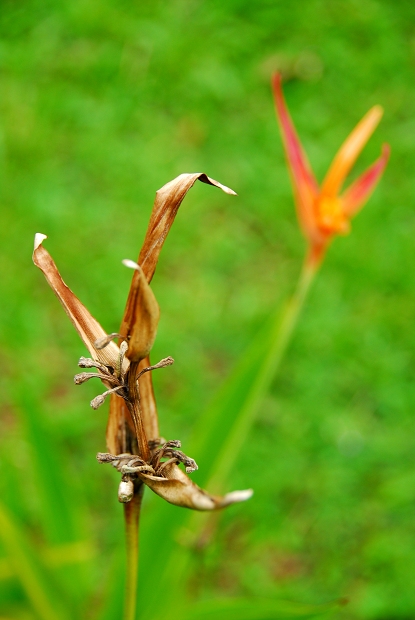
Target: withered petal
<point>178,489</point>
<point>167,202</point>
<point>87,327</point>
<point>142,315</point>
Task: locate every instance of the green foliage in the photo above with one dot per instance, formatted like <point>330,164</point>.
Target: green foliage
<point>262,609</point>
<point>102,103</point>
<point>37,585</point>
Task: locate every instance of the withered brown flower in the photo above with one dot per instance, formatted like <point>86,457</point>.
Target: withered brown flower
<point>133,439</point>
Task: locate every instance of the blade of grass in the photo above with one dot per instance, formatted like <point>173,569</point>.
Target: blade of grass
<point>233,412</point>
<point>111,591</point>
<point>258,609</point>
<point>223,428</point>
<point>58,518</point>
<point>60,515</point>
<point>37,583</point>
<point>55,557</point>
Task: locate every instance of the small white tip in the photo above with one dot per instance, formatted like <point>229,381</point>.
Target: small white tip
<point>39,238</point>
<point>238,496</point>
<point>131,264</point>
<point>230,191</point>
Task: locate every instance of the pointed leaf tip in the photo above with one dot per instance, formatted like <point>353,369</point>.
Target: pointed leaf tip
<point>167,202</point>
<point>131,264</point>
<point>39,238</point>
<point>237,496</point>
<point>178,489</point>
<point>204,178</point>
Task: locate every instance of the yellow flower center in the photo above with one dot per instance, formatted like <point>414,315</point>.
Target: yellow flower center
<point>330,215</point>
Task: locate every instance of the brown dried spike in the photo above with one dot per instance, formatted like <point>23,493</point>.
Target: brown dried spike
<point>167,202</point>
<point>120,429</point>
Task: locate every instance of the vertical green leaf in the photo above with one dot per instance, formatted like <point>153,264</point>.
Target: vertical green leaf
<point>36,581</point>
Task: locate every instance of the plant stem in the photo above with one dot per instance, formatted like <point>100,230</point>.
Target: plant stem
<point>132,516</point>
<point>262,360</point>
<point>280,337</point>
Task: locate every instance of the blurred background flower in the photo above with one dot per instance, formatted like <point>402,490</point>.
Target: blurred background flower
<point>102,103</point>
<point>322,211</point>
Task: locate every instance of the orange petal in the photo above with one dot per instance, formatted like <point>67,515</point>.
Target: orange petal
<point>359,192</point>
<point>87,327</point>
<point>304,183</point>
<point>350,151</point>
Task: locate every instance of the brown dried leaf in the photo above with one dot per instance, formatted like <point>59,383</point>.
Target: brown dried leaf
<point>179,490</point>
<point>142,316</point>
<point>87,327</point>
<point>167,202</point>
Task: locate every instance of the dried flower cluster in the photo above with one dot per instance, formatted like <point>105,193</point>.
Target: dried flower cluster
<point>135,447</point>
<point>133,439</point>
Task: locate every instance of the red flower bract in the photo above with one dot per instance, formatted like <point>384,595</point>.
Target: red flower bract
<point>322,210</point>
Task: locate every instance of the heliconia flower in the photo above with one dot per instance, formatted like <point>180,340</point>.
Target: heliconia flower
<point>323,211</point>
<point>136,449</point>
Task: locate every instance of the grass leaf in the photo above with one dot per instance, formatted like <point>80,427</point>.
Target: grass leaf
<point>257,609</point>
<point>37,583</point>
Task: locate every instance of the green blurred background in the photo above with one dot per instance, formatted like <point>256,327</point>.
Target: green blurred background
<point>103,102</point>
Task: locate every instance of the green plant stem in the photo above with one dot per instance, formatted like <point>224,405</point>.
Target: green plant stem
<point>132,517</point>
<point>280,337</point>
<point>258,367</point>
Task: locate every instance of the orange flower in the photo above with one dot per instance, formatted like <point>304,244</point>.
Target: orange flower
<point>322,211</point>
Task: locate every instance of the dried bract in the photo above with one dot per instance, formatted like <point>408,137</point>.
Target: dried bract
<point>125,370</point>
<point>144,316</point>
